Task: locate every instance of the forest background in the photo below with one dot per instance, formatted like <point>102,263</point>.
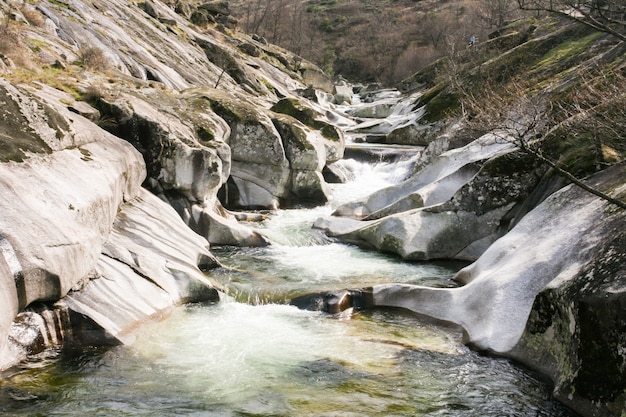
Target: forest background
<point>381,41</point>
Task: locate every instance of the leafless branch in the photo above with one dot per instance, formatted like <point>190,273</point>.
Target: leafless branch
<point>605,16</point>
<point>515,116</point>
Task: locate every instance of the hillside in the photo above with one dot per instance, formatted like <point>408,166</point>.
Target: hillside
<point>371,41</point>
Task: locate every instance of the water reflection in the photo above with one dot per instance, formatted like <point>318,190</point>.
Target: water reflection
<point>279,273</point>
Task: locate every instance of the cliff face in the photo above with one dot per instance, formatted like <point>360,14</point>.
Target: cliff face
<point>107,105</point>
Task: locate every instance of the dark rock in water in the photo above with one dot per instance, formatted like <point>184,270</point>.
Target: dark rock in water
<point>336,174</point>
<point>328,372</point>
<point>375,139</point>
<point>379,153</point>
<point>334,302</point>
<point>312,302</point>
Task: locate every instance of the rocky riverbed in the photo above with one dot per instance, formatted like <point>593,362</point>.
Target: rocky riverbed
<point>119,174</point>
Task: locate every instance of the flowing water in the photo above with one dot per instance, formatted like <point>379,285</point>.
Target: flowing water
<point>255,355</point>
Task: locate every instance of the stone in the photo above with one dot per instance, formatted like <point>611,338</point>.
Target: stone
<point>150,9</point>
<point>174,154</point>
<point>409,135</point>
<point>454,207</point>
<point>182,7</point>
<point>302,149</point>
<point>309,187</point>
<point>216,7</point>
<point>50,214</point>
<point>259,39</point>
<point>550,293</point>
<point>249,49</point>
<point>335,302</point>
<point>150,263</point>
<point>342,94</point>
<point>310,117</point>
<point>85,110</point>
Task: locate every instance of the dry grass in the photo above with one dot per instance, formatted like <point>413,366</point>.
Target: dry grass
<point>93,58</point>
<point>92,94</point>
<point>33,16</point>
<point>12,46</point>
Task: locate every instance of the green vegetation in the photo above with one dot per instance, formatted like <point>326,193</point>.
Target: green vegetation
<point>564,52</point>
<point>205,137</point>
<point>305,115</point>
<point>225,112</point>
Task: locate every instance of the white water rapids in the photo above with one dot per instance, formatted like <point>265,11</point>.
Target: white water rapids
<point>254,355</point>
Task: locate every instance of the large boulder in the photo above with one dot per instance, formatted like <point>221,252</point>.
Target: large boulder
<point>307,155</point>
<point>260,170</point>
<point>216,7</point>
<point>331,137</point>
<point>149,264</point>
<point>183,153</point>
<point>275,159</point>
<point>55,221</point>
<point>187,157</point>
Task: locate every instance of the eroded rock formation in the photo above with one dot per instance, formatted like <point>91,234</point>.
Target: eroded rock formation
<point>110,181</point>
<point>453,208</point>
<point>76,220</point>
<point>550,293</point>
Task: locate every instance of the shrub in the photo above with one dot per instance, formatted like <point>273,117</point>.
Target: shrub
<point>92,95</point>
<point>11,45</point>
<point>33,16</point>
<point>93,58</point>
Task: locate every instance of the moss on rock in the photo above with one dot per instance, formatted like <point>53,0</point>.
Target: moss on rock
<point>307,116</point>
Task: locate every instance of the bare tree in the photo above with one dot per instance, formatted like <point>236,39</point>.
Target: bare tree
<point>257,12</point>
<point>528,122</point>
<point>604,15</point>
<point>495,13</point>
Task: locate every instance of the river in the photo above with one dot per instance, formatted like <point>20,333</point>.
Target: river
<point>255,355</point>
